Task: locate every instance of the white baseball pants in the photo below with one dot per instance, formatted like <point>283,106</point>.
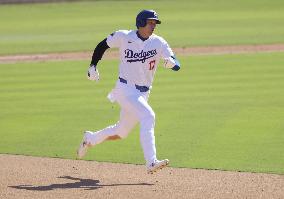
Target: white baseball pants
<point>134,109</point>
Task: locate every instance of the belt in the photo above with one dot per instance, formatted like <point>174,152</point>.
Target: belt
<point>140,88</point>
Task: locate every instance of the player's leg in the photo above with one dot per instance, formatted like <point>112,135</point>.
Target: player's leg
<point>147,124</point>
<point>121,129</point>
<point>140,107</point>
<point>117,131</point>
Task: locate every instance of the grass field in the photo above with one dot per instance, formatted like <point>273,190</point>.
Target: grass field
<point>218,112</point>
<point>37,28</point>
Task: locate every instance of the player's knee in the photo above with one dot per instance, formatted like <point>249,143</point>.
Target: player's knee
<point>124,133</point>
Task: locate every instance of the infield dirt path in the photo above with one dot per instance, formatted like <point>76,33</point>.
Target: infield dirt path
<point>35,177</point>
<point>112,54</point>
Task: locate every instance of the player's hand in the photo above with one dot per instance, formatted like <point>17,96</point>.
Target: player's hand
<point>93,73</point>
<point>172,62</point>
<point>169,62</point>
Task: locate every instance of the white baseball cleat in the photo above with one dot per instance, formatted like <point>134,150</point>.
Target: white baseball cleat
<point>83,148</point>
<point>158,164</point>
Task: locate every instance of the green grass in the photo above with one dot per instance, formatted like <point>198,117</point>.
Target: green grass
<point>219,112</point>
<point>40,28</point>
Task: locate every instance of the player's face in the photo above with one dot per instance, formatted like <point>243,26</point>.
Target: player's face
<point>148,30</point>
<point>150,26</point>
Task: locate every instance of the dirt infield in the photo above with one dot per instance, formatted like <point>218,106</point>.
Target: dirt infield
<point>111,54</point>
<point>35,177</point>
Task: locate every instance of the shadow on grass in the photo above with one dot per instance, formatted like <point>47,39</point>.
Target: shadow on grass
<point>87,184</point>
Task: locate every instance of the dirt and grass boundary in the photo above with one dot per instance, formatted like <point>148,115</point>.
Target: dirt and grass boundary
<point>207,50</point>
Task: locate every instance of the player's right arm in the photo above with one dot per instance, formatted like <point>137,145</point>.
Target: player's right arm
<point>112,41</point>
<point>93,73</point>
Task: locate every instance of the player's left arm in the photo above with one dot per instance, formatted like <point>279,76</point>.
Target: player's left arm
<point>170,60</point>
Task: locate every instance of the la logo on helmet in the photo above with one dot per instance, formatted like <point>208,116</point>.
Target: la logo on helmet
<point>155,14</point>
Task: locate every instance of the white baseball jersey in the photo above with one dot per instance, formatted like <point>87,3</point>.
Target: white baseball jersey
<point>138,59</point>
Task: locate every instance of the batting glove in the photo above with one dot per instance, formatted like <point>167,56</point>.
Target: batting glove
<point>93,73</point>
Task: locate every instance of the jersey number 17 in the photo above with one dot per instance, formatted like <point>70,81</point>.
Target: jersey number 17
<point>152,64</point>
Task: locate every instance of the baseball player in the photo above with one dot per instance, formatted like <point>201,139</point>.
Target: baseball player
<point>140,52</point>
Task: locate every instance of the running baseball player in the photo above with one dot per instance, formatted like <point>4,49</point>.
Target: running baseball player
<point>140,52</point>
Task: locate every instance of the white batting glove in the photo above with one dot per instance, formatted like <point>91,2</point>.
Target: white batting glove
<point>93,73</point>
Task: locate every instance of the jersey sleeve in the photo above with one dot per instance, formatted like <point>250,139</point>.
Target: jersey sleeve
<point>168,55</point>
<point>114,40</point>
<point>166,49</point>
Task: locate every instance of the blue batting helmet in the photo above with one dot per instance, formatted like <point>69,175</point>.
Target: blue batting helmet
<point>142,17</point>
